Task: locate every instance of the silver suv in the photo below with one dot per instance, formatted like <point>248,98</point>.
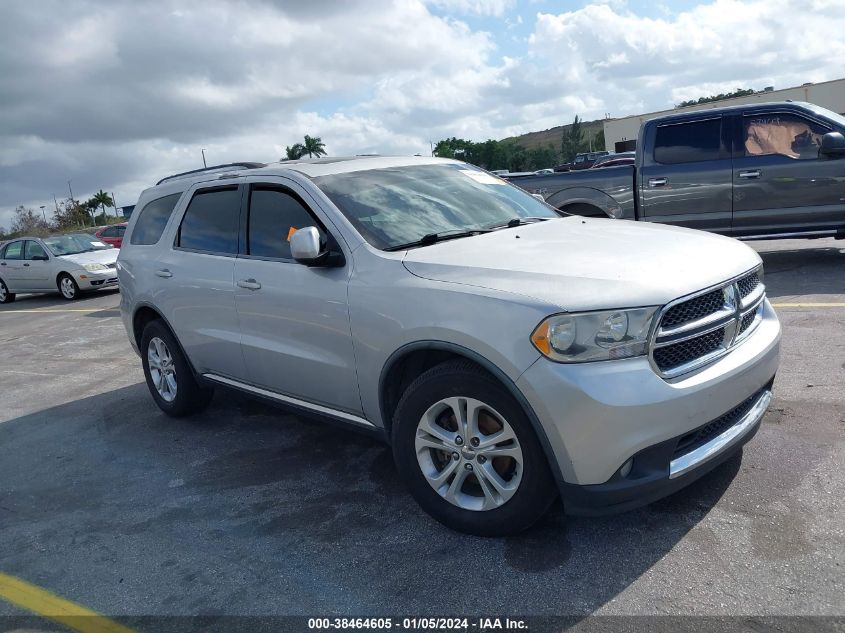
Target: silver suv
<point>507,352</point>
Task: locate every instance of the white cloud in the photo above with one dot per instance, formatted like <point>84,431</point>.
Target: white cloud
<point>116,94</point>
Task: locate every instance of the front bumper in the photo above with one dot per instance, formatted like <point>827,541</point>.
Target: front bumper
<point>87,280</point>
<point>597,416</point>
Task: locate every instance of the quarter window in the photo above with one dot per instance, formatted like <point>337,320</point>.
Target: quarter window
<point>273,218</point>
<point>688,142</point>
<point>784,134</point>
<point>211,221</point>
<point>152,220</point>
<point>34,249</point>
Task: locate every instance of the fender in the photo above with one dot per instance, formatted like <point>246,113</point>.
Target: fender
<point>621,208</point>
<point>489,367</point>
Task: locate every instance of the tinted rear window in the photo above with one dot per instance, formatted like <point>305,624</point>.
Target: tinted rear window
<point>152,220</point>
<point>688,142</point>
<point>211,221</point>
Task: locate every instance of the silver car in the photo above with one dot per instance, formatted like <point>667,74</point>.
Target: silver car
<point>509,354</point>
<point>68,264</point>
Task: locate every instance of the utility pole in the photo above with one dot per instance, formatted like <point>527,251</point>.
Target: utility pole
<point>113,199</point>
<point>56,202</point>
<point>43,214</point>
<point>203,159</point>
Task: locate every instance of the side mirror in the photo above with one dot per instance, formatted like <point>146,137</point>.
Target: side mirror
<point>833,145</point>
<point>305,247</point>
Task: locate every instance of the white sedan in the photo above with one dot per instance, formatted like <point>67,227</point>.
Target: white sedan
<point>67,264</point>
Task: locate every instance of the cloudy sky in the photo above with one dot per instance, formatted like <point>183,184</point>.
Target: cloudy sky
<point>115,94</point>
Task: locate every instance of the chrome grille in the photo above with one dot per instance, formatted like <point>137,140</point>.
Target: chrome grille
<point>694,309</point>
<point>696,330</point>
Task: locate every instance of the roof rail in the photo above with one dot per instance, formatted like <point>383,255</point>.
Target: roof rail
<point>193,172</point>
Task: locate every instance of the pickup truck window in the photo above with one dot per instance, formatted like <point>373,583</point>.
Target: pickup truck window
<point>785,134</point>
<point>688,142</point>
<point>390,207</point>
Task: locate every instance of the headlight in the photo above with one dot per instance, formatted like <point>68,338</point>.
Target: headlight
<point>92,268</point>
<point>591,336</point>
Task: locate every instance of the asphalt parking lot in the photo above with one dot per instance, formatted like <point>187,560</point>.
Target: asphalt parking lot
<point>247,509</point>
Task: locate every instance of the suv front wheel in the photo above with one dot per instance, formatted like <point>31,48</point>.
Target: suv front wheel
<point>466,450</point>
<point>170,378</point>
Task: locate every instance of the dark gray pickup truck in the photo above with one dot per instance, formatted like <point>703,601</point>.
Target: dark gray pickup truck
<point>752,171</point>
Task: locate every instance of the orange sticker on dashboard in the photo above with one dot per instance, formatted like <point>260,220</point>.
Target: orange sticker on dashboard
<point>291,232</point>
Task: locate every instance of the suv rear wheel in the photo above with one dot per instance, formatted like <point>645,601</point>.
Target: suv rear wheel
<point>468,454</point>
<point>170,378</point>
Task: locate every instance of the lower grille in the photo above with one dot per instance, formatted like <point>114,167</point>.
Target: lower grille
<point>701,436</point>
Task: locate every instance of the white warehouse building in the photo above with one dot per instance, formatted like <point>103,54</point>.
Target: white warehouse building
<point>621,134</point>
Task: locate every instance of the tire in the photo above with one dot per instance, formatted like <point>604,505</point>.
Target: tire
<point>68,287</point>
<point>169,376</point>
<point>5,295</point>
<point>428,405</point>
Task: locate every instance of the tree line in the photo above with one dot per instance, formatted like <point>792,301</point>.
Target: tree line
<point>506,154</point>
<point>69,215</point>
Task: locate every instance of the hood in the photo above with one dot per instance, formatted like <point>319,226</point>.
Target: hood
<point>104,256</point>
<point>580,263</point>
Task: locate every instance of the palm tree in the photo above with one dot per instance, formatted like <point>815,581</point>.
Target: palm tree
<point>314,146</point>
<point>295,152</point>
<point>102,199</point>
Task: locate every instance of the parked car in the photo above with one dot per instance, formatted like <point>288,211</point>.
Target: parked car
<point>68,264</point>
<point>508,353</point>
<point>541,172</point>
<point>614,160</point>
<point>751,171</point>
<point>112,234</point>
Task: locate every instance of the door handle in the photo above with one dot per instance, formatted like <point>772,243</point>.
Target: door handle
<point>751,173</point>
<point>26,264</point>
<point>166,274</point>
<point>249,284</point>
<point>2,263</point>
<point>657,182</point>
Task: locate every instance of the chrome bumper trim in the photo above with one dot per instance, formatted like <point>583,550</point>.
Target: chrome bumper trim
<point>722,442</point>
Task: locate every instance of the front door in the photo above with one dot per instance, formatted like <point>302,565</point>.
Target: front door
<point>686,179</point>
<point>294,318</point>
<point>36,267</point>
<point>781,184</point>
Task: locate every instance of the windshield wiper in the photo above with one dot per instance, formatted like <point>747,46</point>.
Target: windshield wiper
<point>514,222</point>
<point>442,236</point>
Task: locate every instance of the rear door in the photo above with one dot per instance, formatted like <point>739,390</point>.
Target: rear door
<point>37,271</point>
<point>11,266</point>
<point>194,279</point>
<point>685,178</point>
<point>781,184</point>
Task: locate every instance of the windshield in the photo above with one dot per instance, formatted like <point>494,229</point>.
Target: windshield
<point>73,243</point>
<point>400,205</point>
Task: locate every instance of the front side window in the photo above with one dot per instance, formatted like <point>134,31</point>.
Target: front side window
<point>788,135</point>
<point>398,205</point>
<point>152,219</point>
<point>13,251</point>
<point>211,221</point>
<point>33,250</point>
<point>688,142</point>
<point>274,216</point>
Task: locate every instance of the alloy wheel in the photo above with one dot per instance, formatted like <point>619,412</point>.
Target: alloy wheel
<point>162,369</point>
<point>469,454</point>
<point>67,287</point>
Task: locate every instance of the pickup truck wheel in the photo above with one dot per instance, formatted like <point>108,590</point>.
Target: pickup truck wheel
<point>169,376</point>
<point>467,452</point>
<point>5,295</point>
